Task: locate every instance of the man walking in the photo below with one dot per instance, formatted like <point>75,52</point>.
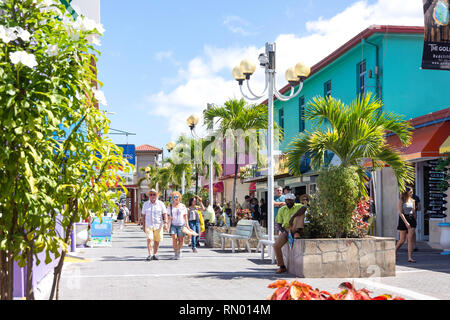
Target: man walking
<point>290,219</point>
<point>155,219</point>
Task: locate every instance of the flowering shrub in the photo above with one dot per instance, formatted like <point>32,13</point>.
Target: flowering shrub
<point>56,165</point>
<point>359,219</point>
<point>300,291</point>
<point>243,214</point>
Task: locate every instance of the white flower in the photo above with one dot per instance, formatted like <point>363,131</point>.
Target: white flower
<point>100,96</point>
<point>86,24</point>
<point>94,39</point>
<point>7,34</point>
<point>52,50</point>
<point>23,34</point>
<point>11,34</point>
<point>27,59</point>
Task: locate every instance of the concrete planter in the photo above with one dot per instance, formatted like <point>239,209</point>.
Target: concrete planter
<point>341,258</point>
<point>213,239</point>
<point>445,237</point>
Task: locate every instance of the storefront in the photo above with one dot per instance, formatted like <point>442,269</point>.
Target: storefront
<point>429,140</point>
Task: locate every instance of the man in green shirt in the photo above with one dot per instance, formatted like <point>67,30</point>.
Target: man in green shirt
<point>290,218</point>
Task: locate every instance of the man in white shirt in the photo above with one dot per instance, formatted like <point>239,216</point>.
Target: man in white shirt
<point>155,220</point>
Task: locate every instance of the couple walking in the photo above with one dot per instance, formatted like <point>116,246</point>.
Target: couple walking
<point>157,219</point>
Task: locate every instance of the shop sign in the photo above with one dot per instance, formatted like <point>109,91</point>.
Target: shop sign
<point>101,232</point>
<point>436,47</point>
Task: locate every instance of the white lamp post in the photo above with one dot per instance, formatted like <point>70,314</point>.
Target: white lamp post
<point>295,76</point>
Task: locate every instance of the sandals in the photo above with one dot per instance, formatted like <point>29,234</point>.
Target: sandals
<point>412,260</point>
<point>281,269</point>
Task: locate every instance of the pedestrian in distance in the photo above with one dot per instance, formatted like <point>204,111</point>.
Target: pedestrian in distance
<point>255,210</point>
<point>179,218</point>
<point>195,204</point>
<point>290,220</point>
<point>263,211</point>
<point>155,221</point>
<point>126,213</point>
<point>278,203</point>
<point>287,190</point>
<point>406,221</point>
<point>121,217</point>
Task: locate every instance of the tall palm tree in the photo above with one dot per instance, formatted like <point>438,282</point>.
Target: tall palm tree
<point>196,148</point>
<point>234,116</point>
<point>354,133</point>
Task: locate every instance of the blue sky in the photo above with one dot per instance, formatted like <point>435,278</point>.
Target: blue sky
<point>162,61</point>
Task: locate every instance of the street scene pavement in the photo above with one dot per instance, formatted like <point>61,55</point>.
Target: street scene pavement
<point>121,272</point>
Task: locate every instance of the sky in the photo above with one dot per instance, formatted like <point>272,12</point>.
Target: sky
<point>162,61</point>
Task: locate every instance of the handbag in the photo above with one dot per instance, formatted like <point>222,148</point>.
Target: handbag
<point>189,232</point>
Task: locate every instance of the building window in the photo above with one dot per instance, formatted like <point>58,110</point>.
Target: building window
<point>301,114</point>
<point>327,89</point>
<point>281,122</point>
<point>362,71</point>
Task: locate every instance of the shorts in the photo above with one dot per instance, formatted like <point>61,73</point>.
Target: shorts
<point>176,230</point>
<point>154,234</point>
<point>410,218</point>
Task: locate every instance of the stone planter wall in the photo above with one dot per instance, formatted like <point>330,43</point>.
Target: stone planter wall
<point>341,258</point>
<point>213,239</point>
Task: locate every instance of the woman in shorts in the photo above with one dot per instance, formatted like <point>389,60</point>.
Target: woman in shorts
<point>406,221</point>
<point>179,218</point>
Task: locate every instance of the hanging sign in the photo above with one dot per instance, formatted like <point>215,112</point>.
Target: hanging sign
<point>436,47</point>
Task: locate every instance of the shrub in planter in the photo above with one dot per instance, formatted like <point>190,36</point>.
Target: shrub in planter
<point>333,205</point>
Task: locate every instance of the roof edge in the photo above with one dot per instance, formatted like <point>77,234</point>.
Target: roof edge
<point>366,33</point>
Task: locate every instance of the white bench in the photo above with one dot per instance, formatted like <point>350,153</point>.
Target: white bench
<point>244,231</point>
<point>270,251</point>
<point>263,242</point>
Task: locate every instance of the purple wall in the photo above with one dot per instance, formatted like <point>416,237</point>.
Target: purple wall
<point>39,272</point>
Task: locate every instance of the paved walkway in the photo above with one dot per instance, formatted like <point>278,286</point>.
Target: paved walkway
<point>121,272</point>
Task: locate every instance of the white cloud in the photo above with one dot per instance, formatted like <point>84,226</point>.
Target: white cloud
<point>207,77</point>
<point>238,25</point>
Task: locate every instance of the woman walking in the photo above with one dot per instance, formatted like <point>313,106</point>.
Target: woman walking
<point>195,204</point>
<point>178,216</point>
<point>406,222</point>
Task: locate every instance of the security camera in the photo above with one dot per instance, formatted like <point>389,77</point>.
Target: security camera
<point>263,60</point>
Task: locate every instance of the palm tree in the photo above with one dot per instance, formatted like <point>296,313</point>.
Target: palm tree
<point>354,134</point>
<point>234,116</point>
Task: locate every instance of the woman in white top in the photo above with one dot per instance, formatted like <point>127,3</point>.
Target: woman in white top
<point>179,219</point>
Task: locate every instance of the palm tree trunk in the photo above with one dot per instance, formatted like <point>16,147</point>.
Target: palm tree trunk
<point>233,221</point>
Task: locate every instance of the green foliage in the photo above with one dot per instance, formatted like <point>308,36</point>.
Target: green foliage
<point>55,162</point>
<point>332,207</point>
<point>353,133</point>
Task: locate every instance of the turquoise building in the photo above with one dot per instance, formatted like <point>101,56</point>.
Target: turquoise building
<point>385,61</point>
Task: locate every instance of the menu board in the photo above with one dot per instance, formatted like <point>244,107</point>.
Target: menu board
<point>435,199</point>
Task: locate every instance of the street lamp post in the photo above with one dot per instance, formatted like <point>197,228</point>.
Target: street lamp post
<point>295,76</point>
<point>192,121</point>
<point>169,146</point>
<point>211,198</point>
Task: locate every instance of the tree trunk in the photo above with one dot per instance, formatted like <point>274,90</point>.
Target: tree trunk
<point>236,166</point>
<point>29,295</point>
<point>58,269</point>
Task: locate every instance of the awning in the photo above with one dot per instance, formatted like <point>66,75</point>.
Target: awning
<point>445,147</point>
<point>217,186</point>
<point>425,141</point>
